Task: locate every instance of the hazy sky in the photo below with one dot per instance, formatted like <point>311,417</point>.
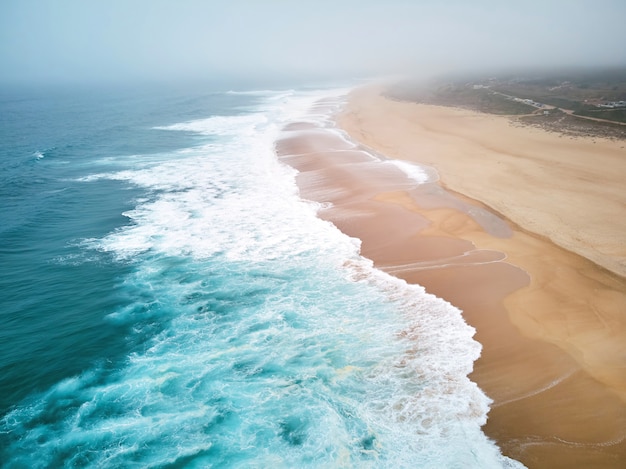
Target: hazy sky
<point>81,40</point>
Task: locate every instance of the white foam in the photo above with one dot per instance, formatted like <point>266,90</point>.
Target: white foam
<point>225,187</point>
<point>412,170</point>
<point>221,125</point>
<point>232,198</point>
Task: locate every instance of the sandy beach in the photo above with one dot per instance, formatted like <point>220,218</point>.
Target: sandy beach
<point>524,231</point>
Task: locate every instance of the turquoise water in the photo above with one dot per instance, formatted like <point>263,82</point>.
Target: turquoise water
<point>169,301</point>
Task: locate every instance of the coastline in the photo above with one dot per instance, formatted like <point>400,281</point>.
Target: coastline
<point>550,320</point>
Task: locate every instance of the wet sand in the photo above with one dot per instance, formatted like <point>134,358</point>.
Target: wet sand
<point>552,322</point>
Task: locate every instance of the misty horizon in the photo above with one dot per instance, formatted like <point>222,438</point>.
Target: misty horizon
<point>69,41</point>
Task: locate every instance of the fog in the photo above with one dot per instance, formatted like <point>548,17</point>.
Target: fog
<point>119,40</point>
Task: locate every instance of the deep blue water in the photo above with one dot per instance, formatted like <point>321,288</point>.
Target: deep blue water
<point>167,300</point>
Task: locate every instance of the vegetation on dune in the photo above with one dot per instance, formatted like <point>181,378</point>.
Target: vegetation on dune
<point>535,99</point>
<point>617,115</point>
<point>481,100</point>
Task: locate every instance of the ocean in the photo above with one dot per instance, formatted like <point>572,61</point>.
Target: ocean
<point>168,300</point>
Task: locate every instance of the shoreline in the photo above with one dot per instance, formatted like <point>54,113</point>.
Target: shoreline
<point>496,149</point>
<point>554,213</point>
<point>551,363</point>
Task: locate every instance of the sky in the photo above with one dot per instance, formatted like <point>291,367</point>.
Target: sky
<point>124,40</point>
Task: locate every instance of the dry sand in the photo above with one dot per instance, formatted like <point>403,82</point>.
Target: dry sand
<point>545,290</point>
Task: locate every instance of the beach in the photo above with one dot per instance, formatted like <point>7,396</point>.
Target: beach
<point>520,228</point>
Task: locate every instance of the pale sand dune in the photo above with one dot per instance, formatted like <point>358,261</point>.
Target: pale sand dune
<point>552,323</point>
<point>570,190</point>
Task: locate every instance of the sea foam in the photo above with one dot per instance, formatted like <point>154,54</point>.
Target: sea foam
<point>261,337</point>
